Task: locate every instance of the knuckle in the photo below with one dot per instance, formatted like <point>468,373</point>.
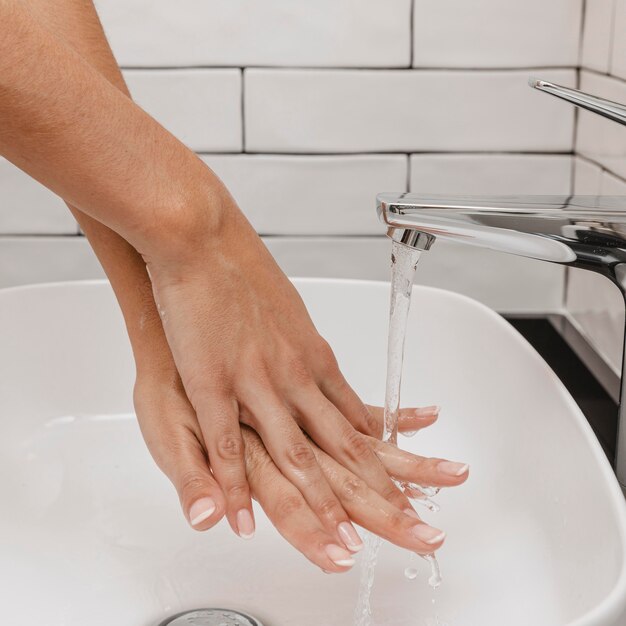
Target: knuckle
<point>329,507</point>
<point>357,446</point>
<point>288,506</point>
<point>229,447</point>
<point>397,522</point>
<point>191,483</point>
<point>326,357</point>
<point>351,488</point>
<point>238,491</point>
<point>300,455</point>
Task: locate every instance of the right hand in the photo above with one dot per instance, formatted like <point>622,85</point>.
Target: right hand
<point>247,351</point>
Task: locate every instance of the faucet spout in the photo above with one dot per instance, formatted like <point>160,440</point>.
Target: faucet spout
<point>587,232</point>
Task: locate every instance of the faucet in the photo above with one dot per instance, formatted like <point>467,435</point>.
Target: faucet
<point>587,232</point>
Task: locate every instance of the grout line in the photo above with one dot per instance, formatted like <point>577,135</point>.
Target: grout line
<point>412,33</point>
<point>332,68</point>
<point>243,111</point>
<point>612,37</point>
<point>390,153</point>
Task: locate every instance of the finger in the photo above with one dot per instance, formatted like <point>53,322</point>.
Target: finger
<point>373,512</point>
<point>292,454</point>
<point>219,421</point>
<point>328,428</point>
<point>336,388</point>
<point>410,420</point>
<point>412,468</point>
<point>200,496</point>
<point>287,509</point>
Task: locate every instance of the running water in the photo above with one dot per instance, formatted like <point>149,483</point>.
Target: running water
<point>403,266</point>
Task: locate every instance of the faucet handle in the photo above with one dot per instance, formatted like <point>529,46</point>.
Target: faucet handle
<point>606,108</point>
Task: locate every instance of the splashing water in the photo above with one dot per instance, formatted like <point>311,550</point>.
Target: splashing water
<point>403,266</point>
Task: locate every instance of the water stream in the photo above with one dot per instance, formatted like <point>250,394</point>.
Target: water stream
<point>403,266</point>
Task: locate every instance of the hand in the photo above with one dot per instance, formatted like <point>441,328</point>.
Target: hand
<point>170,428</point>
<point>247,351</point>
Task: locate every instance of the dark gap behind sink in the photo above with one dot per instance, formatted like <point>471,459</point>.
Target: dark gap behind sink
<point>595,403</point>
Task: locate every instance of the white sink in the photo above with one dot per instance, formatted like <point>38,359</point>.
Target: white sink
<point>91,533</point>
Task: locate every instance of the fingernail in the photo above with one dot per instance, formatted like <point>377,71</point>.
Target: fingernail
<point>452,469</point>
<point>245,524</point>
<point>411,513</point>
<point>339,556</point>
<point>428,534</point>
<point>201,510</point>
<point>428,411</point>
<point>350,536</point>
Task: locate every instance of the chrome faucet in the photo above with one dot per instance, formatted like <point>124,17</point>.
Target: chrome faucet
<point>587,232</point>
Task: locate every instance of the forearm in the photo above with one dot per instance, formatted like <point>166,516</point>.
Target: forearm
<point>65,124</point>
<point>76,23</point>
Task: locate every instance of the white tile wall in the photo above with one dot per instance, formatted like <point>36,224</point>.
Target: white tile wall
<point>496,33</point>
<point>613,186</point>
<point>491,173</point>
<point>201,107</point>
<point>599,139</point>
<point>28,208</point>
<point>598,34</point>
<point>618,59</point>
<point>597,307</point>
<point>311,195</point>
<point>343,33</point>
<point>587,177</point>
<point>360,111</point>
<point>328,122</point>
<point>481,275</point>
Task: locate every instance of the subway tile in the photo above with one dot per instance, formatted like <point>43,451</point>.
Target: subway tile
<point>311,195</point>
<point>587,177</point>
<point>493,33</point>
<point>618,61</point>
<point>491,174</point>
<point>407,111</point>
<point>597,307</point>
<point>597,34</point>
<point>28,208</point>
<point>201,107</point>
<point>613,186</point>
<point>345,33</point>
<point>481,274</point>
<point>599,139</point>
<point>28,260</point>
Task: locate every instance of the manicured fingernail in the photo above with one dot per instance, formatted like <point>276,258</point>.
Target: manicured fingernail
<point>245,524</point>
<point>350,536</point>
<point>452,469</point>
<point>411,513</point>
<point>428,534</point>
<point>428,411</point>
<point>201,510</point>
<point>339,556</point>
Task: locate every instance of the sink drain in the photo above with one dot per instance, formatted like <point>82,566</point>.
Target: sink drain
<point>211,617</point>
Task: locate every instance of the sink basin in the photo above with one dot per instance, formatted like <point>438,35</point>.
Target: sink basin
<point>91,532</point>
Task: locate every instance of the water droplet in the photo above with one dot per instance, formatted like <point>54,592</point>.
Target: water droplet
<point>410,573</point>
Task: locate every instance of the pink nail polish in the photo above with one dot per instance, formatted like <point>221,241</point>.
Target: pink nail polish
<point>428,534</point>
<point>350,536</point>
<point>245,524</point>
<point>452,469</point>
<point>339,556</point>
<point>201,510</point>
<point>411,513</point>
<point>428,411</point>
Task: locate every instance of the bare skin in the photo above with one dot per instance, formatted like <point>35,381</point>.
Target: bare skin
<point>235,329</point>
